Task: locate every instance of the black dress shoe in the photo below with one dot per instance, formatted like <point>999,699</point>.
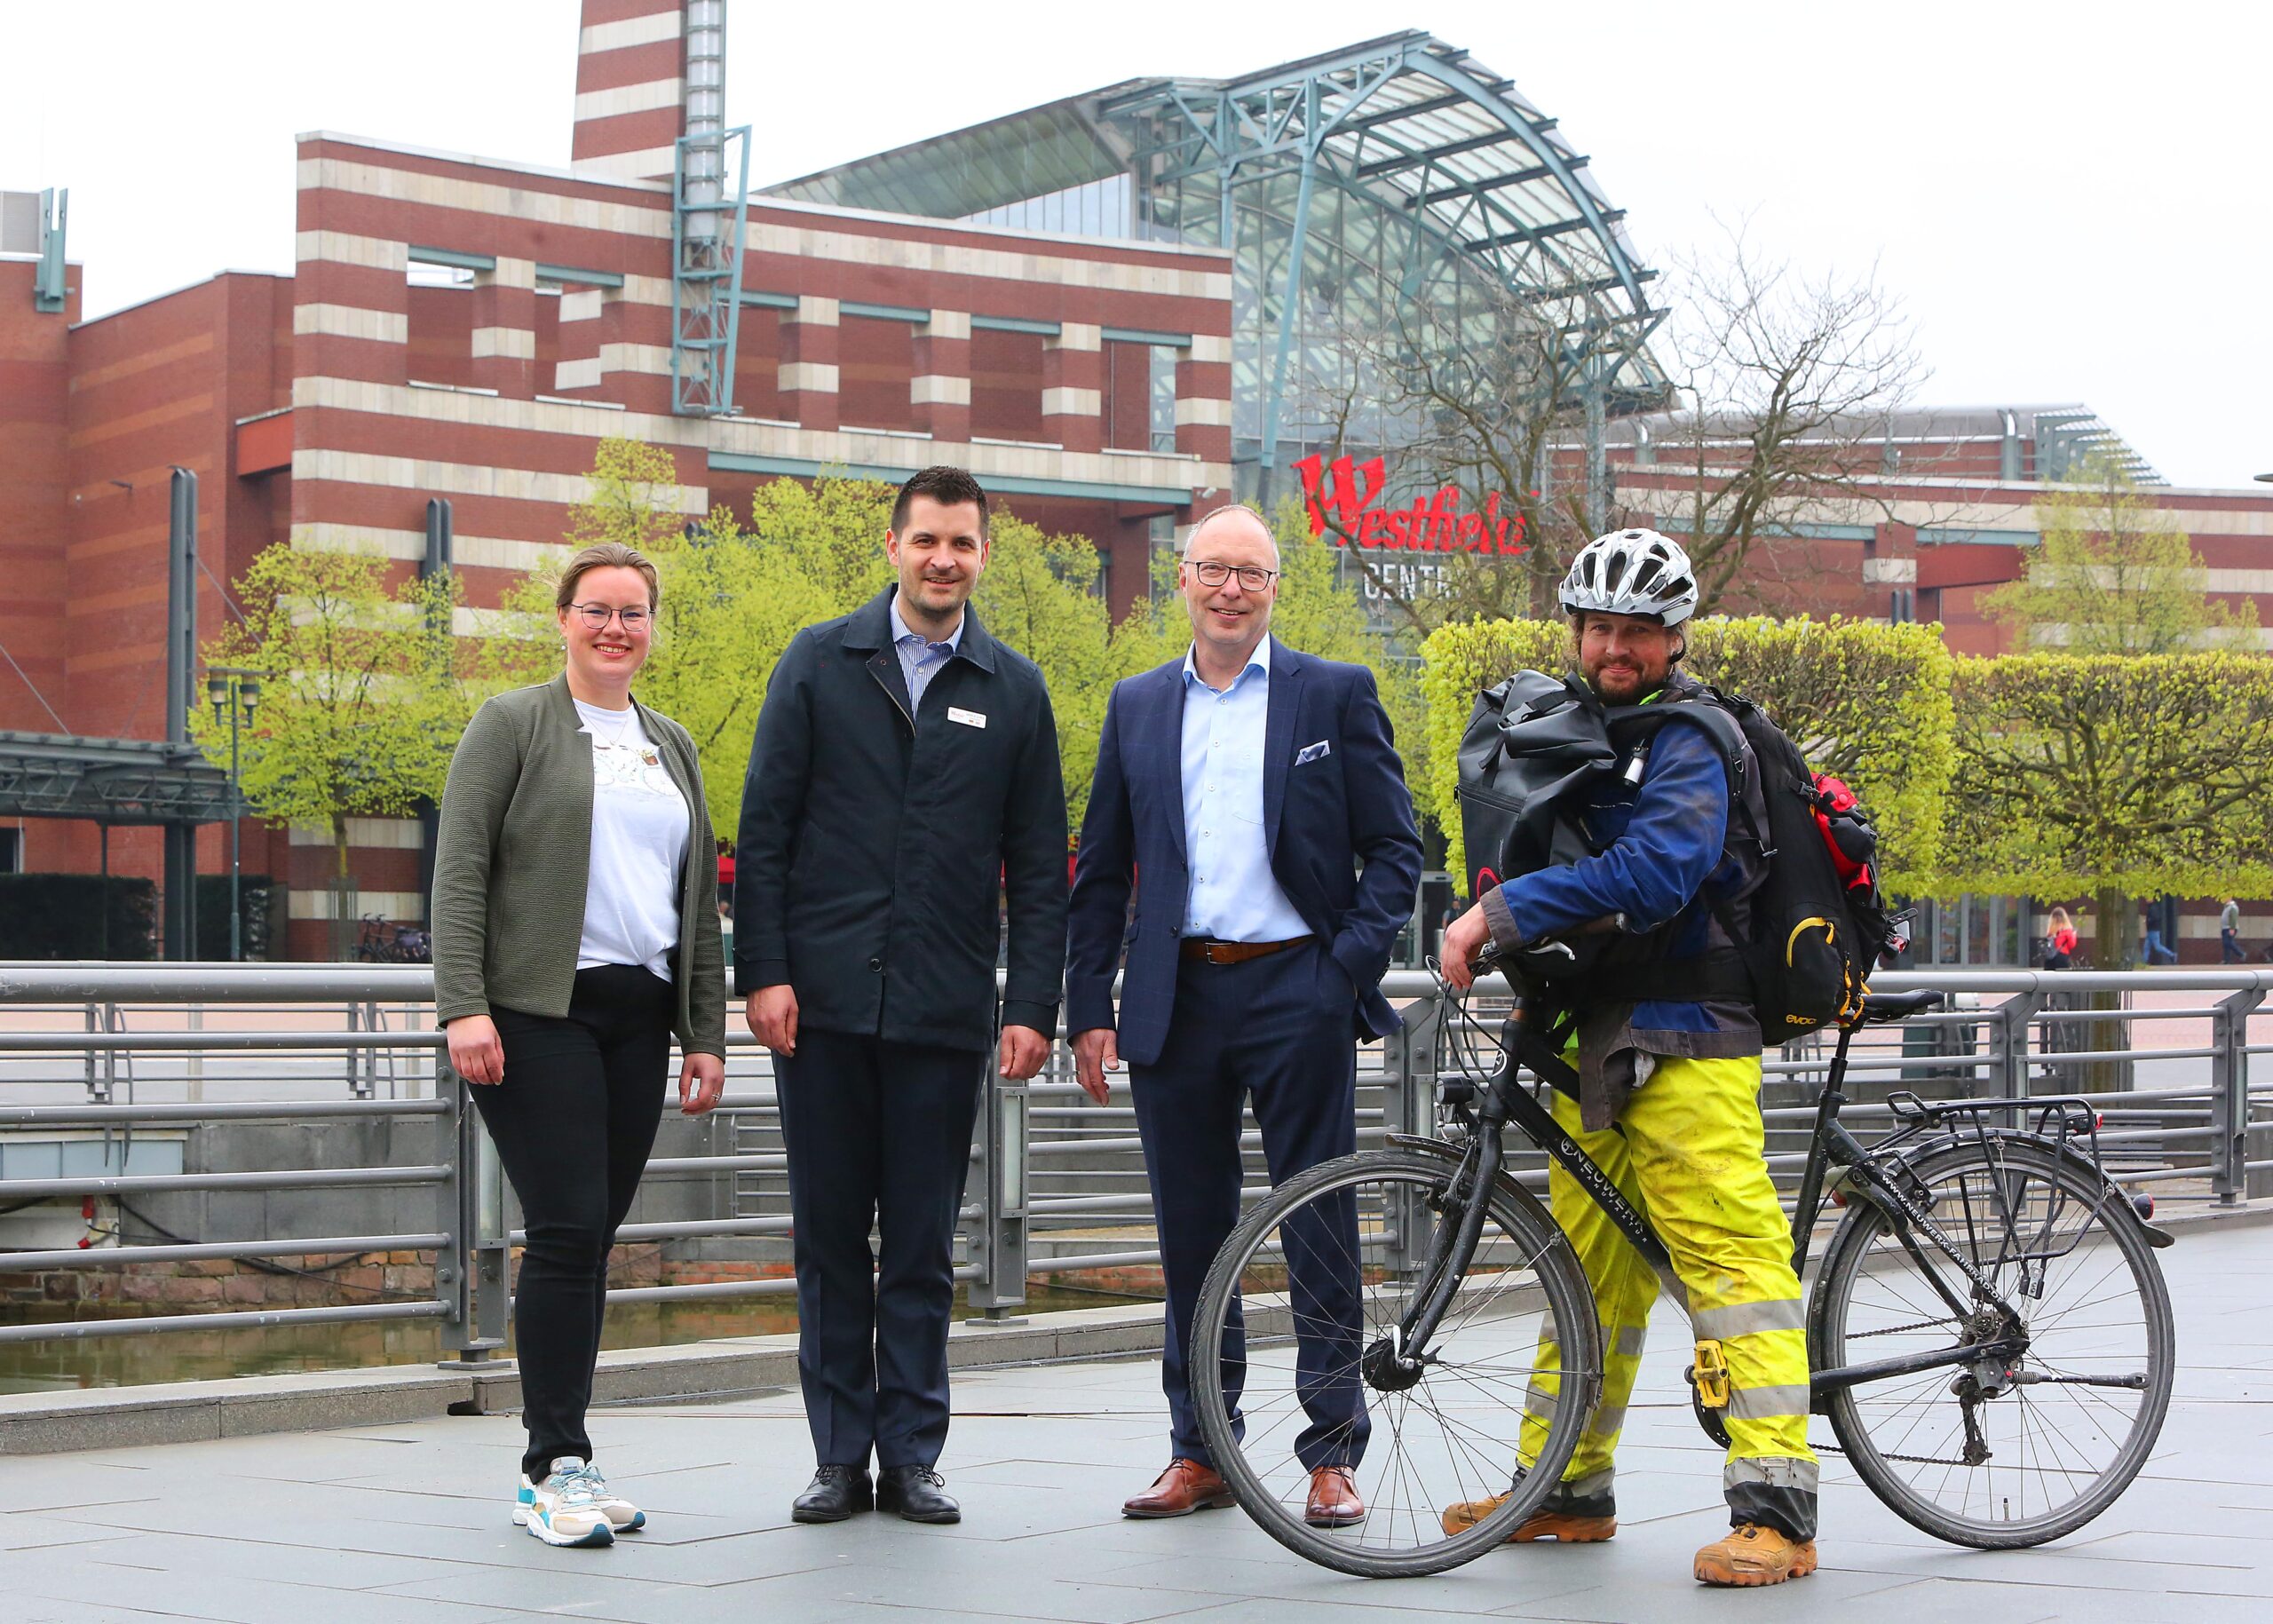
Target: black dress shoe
<point>836,1493</point>
<point>918,1493</point>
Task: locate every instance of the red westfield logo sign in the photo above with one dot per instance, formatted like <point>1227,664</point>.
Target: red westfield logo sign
<point>1343,496</point>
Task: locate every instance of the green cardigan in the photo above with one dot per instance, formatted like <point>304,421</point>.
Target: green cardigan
<point>513,853</point>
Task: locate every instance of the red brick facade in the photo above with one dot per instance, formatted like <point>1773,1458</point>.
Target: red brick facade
<point>328,407</point>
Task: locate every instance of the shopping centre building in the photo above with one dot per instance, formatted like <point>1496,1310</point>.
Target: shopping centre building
<point>1116,309</point>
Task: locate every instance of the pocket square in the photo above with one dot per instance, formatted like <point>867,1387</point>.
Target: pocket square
<point>1313,752</point>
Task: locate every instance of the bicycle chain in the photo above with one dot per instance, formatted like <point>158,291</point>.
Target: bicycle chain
<point>1911,1460</point>
<point>1895,1330</point>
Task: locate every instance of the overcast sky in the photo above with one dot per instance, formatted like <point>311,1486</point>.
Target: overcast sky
<point>2071,199</point>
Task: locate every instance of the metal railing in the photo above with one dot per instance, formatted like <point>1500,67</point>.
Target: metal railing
<point>93,1055</point>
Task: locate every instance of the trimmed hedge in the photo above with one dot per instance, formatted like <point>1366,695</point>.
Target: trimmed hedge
<point>1866,701</point>
<point>61,916</point>
<point>2134,775</point>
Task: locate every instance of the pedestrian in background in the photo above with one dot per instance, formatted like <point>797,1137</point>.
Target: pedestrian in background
<point>2229,932</point>
<point>576,933</point>
<point>903,778</point>
<point>2059,941</point>
<point>2156,950</point>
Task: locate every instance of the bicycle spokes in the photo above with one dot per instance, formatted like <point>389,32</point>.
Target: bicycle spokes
<point>2069,1345</point>
<point>1316,1358</point>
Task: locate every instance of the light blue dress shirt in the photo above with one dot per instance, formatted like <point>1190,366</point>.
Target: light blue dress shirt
<point>1235,897</point>
<point>921,659</point>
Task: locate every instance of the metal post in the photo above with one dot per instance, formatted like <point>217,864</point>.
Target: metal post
<point>1001,1236</point>
<point>181,657</point>
<point>1290,297</point>
<point>2008,1044</point>
<point>469,1270</point>
<point>96,1093</point>
<point>2229,1095</point>
<point>194,1087</point>
<point>236,853</point>
<point>1409,1059</point>
<point>1597,454</point>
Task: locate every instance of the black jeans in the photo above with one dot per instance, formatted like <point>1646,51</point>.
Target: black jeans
<point>574,1122</point>
<point>877,1134</point>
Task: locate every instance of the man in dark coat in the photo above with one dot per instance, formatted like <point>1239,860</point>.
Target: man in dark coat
<point>1249,784</point>
<point>903,780</point>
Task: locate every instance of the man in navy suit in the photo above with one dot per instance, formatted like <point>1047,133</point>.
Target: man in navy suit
<point>1247,783</point>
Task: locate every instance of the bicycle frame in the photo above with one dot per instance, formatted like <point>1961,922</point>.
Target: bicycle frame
<point>1503,1100</point>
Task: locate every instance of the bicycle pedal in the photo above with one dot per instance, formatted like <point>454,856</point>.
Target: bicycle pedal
<point>1709,1376</point>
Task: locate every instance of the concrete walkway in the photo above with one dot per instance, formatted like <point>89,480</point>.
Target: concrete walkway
<point>409,1522</point>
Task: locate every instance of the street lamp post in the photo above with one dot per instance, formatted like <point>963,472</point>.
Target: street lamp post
<point>234,692</point>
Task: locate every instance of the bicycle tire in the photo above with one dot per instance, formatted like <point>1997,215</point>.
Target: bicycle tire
<point>1882,1431</point>
<point>1534,1279</point>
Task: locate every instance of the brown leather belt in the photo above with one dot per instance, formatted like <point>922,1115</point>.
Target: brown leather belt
<point>1207,950</point>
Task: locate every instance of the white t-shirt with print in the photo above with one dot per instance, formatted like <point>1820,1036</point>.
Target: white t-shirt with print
<point>639,821</point>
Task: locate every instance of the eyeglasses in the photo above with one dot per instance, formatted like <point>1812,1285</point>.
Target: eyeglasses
<point>597,615</point>
<point>1253,577</point>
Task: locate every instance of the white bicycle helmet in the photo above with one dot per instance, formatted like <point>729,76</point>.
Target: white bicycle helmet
<point>1632,572</point>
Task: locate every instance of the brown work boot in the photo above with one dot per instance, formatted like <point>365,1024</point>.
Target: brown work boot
<point>1754,1554</point>
<point>1334,1499</point>
<point>1565,1523</point>
<point>1185,1487</point>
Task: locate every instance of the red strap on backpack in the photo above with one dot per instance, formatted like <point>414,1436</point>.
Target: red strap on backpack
<point>1849,840</point>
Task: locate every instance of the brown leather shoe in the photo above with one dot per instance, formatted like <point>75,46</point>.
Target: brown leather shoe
<point>1185,1487</point>
<point>1334,1501</point>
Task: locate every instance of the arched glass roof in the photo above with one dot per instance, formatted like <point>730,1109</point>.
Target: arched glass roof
<point>1395,175</point>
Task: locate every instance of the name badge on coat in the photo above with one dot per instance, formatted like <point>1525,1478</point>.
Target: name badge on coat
<point>968,718</point>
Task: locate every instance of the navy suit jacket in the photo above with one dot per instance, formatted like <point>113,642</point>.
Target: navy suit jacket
<point>1344,805</point>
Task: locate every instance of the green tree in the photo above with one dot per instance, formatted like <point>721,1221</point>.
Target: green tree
<point>627,501</point>
<point>1868,703</point>
<point>362,693</point>
<point>2114,575</point>
<point>733,596</point>
<point>2116,777</point>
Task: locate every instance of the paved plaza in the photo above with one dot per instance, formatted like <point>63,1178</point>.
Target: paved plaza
<point>409,1522</point>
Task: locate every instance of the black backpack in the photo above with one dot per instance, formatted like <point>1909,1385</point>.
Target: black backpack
<point>1817,925</point>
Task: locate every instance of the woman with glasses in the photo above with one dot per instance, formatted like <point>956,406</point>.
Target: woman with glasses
<point>576,933</point>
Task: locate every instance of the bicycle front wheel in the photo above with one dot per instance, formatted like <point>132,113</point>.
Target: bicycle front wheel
<point>1302,1313</point>
<point>2002,1451</point>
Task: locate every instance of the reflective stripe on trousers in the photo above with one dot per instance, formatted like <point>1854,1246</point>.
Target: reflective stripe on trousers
<point>1688,1151</point>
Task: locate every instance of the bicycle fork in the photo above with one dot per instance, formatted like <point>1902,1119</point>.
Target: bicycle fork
<point>1396,1361</point>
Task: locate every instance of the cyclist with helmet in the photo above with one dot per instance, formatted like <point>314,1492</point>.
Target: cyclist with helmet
<point>1669,1088</point>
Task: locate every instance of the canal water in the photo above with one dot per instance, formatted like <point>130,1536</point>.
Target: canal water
<point>191,1356</point>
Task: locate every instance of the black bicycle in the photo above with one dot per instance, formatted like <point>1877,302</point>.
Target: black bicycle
<point>1988,1332</point>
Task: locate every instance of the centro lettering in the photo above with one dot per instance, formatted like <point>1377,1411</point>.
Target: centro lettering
<point>1343,496</point>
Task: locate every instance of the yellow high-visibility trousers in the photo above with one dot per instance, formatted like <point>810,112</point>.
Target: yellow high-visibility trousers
<point>1687,1150</point>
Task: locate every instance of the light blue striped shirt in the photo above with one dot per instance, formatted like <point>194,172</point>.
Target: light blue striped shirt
<point>921,659</point>
<point>1235,897</point>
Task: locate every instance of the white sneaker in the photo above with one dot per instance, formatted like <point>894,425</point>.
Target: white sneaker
<point>565,1509</point>
<point>622,1516</point>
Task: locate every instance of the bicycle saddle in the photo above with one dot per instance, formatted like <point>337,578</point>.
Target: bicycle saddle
<point>1898,1006</point>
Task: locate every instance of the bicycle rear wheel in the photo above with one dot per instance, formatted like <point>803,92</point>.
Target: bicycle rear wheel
<point>2054,1436</point>
<point>1446,1433</point>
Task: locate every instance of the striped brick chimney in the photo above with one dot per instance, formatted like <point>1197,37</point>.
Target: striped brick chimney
<point>631,88</point>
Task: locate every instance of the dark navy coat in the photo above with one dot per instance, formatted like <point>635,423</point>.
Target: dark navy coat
<point>881,845</point>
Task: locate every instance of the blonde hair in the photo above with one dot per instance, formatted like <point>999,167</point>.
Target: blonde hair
<point>607,555</point>
<point>2059,921</point>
